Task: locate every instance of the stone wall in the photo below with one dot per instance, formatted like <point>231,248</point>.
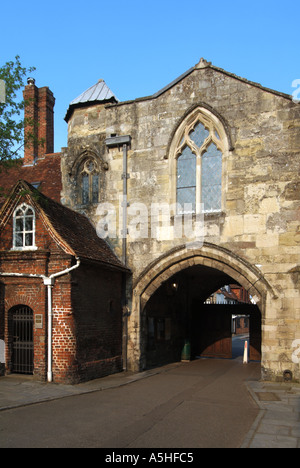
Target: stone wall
<point>259,221</point>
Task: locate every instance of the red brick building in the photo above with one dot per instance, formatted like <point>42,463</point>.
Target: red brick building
<point>61,287</point>
<point>60,292</point>
<point>40,166</point>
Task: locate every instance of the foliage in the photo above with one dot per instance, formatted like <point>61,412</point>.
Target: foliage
<point>11,119</point>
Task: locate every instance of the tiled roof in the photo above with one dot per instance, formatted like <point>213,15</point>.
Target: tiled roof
<point>71,230</point>
<point>46,172</point>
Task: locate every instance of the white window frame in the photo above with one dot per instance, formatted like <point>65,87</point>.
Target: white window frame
<point>24,207</point>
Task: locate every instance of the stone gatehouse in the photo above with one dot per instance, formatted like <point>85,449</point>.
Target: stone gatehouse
<point>195,187</point>
<point>209,138</point>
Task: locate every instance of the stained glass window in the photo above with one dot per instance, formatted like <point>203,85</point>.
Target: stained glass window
<point>24,227</point>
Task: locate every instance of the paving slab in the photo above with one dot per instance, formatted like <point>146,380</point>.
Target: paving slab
<point>278,423</point>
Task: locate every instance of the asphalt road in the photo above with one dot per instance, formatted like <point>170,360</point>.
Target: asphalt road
<point>202,404</point>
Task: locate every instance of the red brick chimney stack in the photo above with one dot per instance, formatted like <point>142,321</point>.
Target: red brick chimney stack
<point>39,121</point>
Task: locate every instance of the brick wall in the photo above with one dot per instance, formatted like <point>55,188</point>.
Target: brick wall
<point>96,301</point>
<point>39,122</point>
<point>87,315</point>
<point>31,292</point>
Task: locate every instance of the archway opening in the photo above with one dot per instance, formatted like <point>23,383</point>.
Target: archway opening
<point>183,319</point>
<point>21,340</point>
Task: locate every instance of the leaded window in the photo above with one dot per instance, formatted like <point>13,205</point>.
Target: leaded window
<point>211,179</point>
<point>89,182</point>
<point>24,227</point>
<point>186,178</point>
<point>199,167</point>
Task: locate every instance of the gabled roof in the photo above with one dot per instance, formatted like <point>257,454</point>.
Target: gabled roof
<point>97,93</point>
<point>203,64</point>
<point>72,231</point>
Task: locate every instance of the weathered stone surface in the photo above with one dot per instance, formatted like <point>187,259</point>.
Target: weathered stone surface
<point>259,222</point>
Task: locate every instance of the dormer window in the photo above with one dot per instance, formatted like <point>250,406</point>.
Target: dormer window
<point>24,228</point>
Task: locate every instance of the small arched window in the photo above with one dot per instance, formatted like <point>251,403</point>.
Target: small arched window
<point>24,227</point>
<point>89,182</point>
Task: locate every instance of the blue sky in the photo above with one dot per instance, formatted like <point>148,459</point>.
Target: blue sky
<point>138,47</point>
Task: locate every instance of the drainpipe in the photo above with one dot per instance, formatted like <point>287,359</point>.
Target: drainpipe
<point>125,176</point>
<point>49,282</point>
<point>124,142</point>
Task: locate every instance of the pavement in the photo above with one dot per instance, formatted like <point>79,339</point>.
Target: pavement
<point>278,422</point>
<point>276,426</point>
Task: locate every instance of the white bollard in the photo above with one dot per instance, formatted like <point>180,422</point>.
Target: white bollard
<point>245,360</point>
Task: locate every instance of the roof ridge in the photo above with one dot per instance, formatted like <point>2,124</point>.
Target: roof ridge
<point>71,230</point>
<point>203,64</point>
<point>99,92</point>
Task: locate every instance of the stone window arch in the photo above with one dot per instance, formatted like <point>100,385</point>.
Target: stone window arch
<point>197,155</point>
<point>89,181</point>
<point>24,227</point>
<point>87,177</point>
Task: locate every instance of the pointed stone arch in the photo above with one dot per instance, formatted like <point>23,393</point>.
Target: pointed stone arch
<point>216,134</point>
<point>94,178</point>
<point>203,112</point>
<point>87,154</point>
<point>182,258</point>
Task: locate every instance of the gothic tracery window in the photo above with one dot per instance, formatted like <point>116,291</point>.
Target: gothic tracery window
<point>199,155</point>
<point>24,227</point>
<point>89,178</point>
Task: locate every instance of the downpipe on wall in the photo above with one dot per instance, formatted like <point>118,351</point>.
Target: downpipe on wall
<point>49,283</point>
<point>124,142</point>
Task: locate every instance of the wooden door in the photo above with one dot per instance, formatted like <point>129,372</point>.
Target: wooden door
<point>212,332</point>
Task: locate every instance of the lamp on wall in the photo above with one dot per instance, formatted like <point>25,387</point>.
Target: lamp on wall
<point>171,287</point>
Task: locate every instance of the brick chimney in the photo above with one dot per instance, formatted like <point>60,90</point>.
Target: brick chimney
<point>39,121</point>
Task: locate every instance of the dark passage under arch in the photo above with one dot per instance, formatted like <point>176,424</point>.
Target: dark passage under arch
<point>177,314</point>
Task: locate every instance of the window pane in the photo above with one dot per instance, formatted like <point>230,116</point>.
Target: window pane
<point>85,189</point>
<point>90,166</point>
<point>95,189</point>
<point>199,134</point>
<point>186,169</point>
<point>28,224</point>
<point>29,212</point>
<point>18,240</point>
<point>186,179</point>
<point>19,225</point>
<point>20,212</point>
<point>186,195</point>
<point>28,240</point>
<point>211,181</point>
